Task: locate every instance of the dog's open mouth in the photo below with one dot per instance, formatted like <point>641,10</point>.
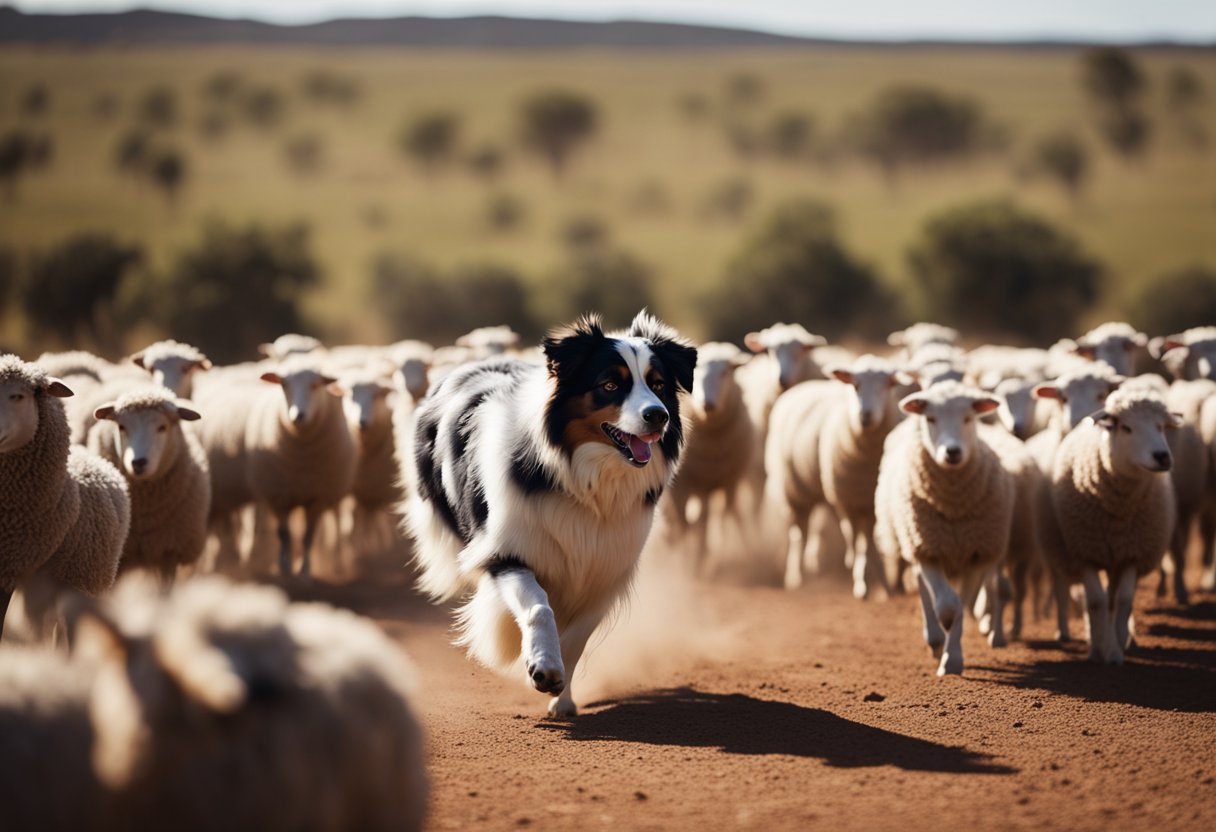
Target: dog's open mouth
<point>635,449</point>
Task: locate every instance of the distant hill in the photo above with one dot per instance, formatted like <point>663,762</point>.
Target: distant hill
<point>148,27</point>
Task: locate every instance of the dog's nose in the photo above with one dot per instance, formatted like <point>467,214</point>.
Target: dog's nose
<point>954,454</point>
<point>654,417</point>
<point>139,465</point>
<point>1163,459</point>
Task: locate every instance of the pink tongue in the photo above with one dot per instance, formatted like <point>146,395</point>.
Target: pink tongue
<point>639,449</point>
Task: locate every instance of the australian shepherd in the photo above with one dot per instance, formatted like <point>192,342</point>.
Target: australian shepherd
<point>533,489</point>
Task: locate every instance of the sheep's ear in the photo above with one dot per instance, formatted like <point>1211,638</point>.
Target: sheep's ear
<point>1174,421</point>
<point>985,405</point>
<point>55,387</point>
<point>138,360</point>
<point>202,672</point>
<point>839,373</point>
<point>989,379</point>
<point>106,411</point>
<point>1140,339</point>
<point>1114,384</point>
<point>204,364</point>
<point>266,350</point>
<point>187,413</point>
<point>1083,350</point>
<point>92,634</point>
<point>814,341</point>
<point>739,360</point>
<point>904,378</point>
<point>1046,391</point>
<point>337,388</point>
<point>1104,420</point>
<point>916,403</point>
<point>1162,344</point>
<point>897,339</point>
<point>753,342</point>
<point>272,378</point>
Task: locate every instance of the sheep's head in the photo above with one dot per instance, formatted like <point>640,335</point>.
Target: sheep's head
<point>715,379</point>
<point>21,385</point>
<point>290,344</point>
<point>1134,425</point>
<point>1017,410</point>
<point>171,669</point>
<point>146,429</point>
<point>920,335</point>
<point>365,399</point>
<point>1079,394</point>
<point>1113,343</point>
<point>790,345</point>
<point>874,381</point>
<point>948,415</point>
<point>305,388</point>
<point>413,360</point>
<point>172,365</point>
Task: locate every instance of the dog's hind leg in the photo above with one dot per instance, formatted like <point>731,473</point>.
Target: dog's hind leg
<point>574,641</point>
<point>529,605</point>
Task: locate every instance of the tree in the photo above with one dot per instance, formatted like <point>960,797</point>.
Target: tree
<point>794,268</point>
<point>16,153</point>
<point>603,279</point>
<point>431,139</point>
<point>744,89</point>
<point>167,170</point>
<point>264,107</point>
<point>223,86</point>
<point>234,287</point>
<point>1063,157</point>
<point>1111,76</point>
<point>1127,132</point>
<point>789,136</point>
<point>132,152</point>
<point>69,290</point>
<point>1183,89</point>
<point>999,270</point>
<point>1175,301</point>
<point>729,199</point>
<point>555,123</point>
<point>487,162</point>
<point>910,125</point>
<point>158,108</point>
<point>35,101</point>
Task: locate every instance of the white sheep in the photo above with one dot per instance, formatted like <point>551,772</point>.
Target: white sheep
<point>141,433</point>
<point>299,451</point>
<point>172,364</point>
<point>718,452</point>
<point>944,504</point>
<point>64,512</point>
<point>1188,355</point>
<point>936,362</point>
<point>1114,510</point>
<point>220,707</point>
<point>489,341</point>
<point>919,335</point>
<point>1115,343</point>
<point>291,343</point>
<point>413,362</point>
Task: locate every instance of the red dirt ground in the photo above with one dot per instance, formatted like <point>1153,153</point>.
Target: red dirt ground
<point>824,712</point>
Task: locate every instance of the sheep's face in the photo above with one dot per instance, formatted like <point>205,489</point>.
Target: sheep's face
<point>144,436</point>
<point>1078,396</point>
<point>365,403</point>
<point>790,346</point>
<point>948,423</point>
<point>411,377</point>
<point>872,392</point>
<point>304,392</point>
<point>1135,438</point>
<point>19,410</point>
<point>1017,410</point>
<point>1203,354</point>
<point>174,372</point>
<point>1116,351</point>
<point>715,379</point>
<point>918,336</point>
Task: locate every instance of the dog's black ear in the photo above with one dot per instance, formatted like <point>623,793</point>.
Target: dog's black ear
<point>675,351</point>
<point>568,347</point>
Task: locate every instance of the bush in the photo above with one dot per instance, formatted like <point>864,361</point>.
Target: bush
<point>8,278</point>
<point>505,212</point>
<point>794,268</point>
<point>417,301</point>
<point>694,106</point>
<point>431,139</point>
<point>744,90</point>
<point>132,152</point>
<point>600,279</point>
<point>328,87</point>
<point>236,286</point>
<point>584,231</point>
<point>486,162</point>
<point>264,107</point>
<point>35,101</point>
<point>167,170</point>
<point>105,106</point>
<point>1183,89</point>
<point>158,108</point>
<point>1175,301</point>
<point>789,136</point>
<point>223,86</point>
<point>304,153</point>
<point>1062,157</point>
<point>1127,132</point>
<point>994,268</point>
<point>22,151</point>
<point>1111,76</point>
<point>730,199</point>
<point>70,289</point>
<point>555,122</point>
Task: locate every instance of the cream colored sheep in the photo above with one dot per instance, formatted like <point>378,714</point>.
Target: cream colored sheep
<point>1115,343</point>
<point>1114,510</point>
<point>290,344</point>
<point>220,707</point>
<point>489,341</point>
<point>141,433</point>
<point>172,364</point>
<point>919,335</point>
<point>1188,355</point>
<point>944,503</point>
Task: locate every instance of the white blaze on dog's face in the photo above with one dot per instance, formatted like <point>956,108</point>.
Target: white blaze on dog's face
<point>790,345</point>
<point>873,381</point>
<point>949,413</point>
<point>365,402</point>
<point>1134,438</point>
<point>143,434</point>
<point>1079,394</point>
<point>620,391</point>
<point>304,390</point>
<point>19,410</point>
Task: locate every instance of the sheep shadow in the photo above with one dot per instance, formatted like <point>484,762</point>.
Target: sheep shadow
<point>739,724</point>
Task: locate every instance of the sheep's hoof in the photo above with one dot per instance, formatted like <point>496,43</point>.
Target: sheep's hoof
<point>547,679</point>
<point>985,624</point>
<point>1208,582</point>
<point>562,708</point>
<point>936,648</point>
<point>860,591</point>
<point>951,665</point>
<point>996,639</point>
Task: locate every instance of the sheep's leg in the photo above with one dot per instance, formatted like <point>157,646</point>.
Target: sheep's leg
<point>699,534</point>
<point>1178,559</point>
<point>1059,587</point>
<point>995,613</point>
<point>1124,592</point>
<point>948,608</point>
<point>573,642</point>
<point>935,636</point>
<point>867,566</point>
<point>1018,574</point>
<point>1207,533</point>
<point>797,546</point>
<point>529,605</point>
<point>1097,612</point>
<point>5,598</point>
<point>311,519</point>
<point>284,532</point>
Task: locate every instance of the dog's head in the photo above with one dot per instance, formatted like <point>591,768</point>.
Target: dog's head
<point>620,389</point>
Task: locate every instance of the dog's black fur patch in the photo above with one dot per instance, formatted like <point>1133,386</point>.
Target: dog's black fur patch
<point>504,563</point>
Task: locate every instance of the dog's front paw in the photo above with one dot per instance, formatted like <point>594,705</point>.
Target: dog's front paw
<point>547,675</point>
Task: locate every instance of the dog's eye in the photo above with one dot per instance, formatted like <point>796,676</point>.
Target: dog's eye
<point>610,386</point>
<point>931,420</point>
<point>1125,428</point>
<point>657,385</point>
<point>16,397</point>
<point>161,429</point>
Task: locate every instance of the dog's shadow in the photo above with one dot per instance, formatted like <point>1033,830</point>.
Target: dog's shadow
<point>740,724</point>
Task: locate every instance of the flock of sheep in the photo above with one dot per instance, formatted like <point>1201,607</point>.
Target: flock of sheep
<point>991,473</point>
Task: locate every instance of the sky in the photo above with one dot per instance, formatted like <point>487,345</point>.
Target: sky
<point>1105,20</point>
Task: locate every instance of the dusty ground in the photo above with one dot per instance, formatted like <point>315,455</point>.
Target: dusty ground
<point>817,711</point>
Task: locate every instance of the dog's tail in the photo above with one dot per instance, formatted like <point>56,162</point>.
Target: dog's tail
<point>487,630</point>
<point>436,551</point>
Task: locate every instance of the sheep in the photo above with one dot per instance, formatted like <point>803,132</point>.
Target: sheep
<point>1010,374</point>
<point>1188,355</point>
<point>64,512</point>
<point>220,706</point>
<point>1115,343</point>
<point>936,362</point>
<point>1114,510</point>
<point>488,341</point>
<point>93,380</point>
<point>290,344</point>
<point>413,362</point>
<point>299,451</point>
<point>917,336</point>
<point>944,504</point>
<point>719,448</point>
<point>74,365</point>
<point>141,433</point>
<point>172,364</point>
